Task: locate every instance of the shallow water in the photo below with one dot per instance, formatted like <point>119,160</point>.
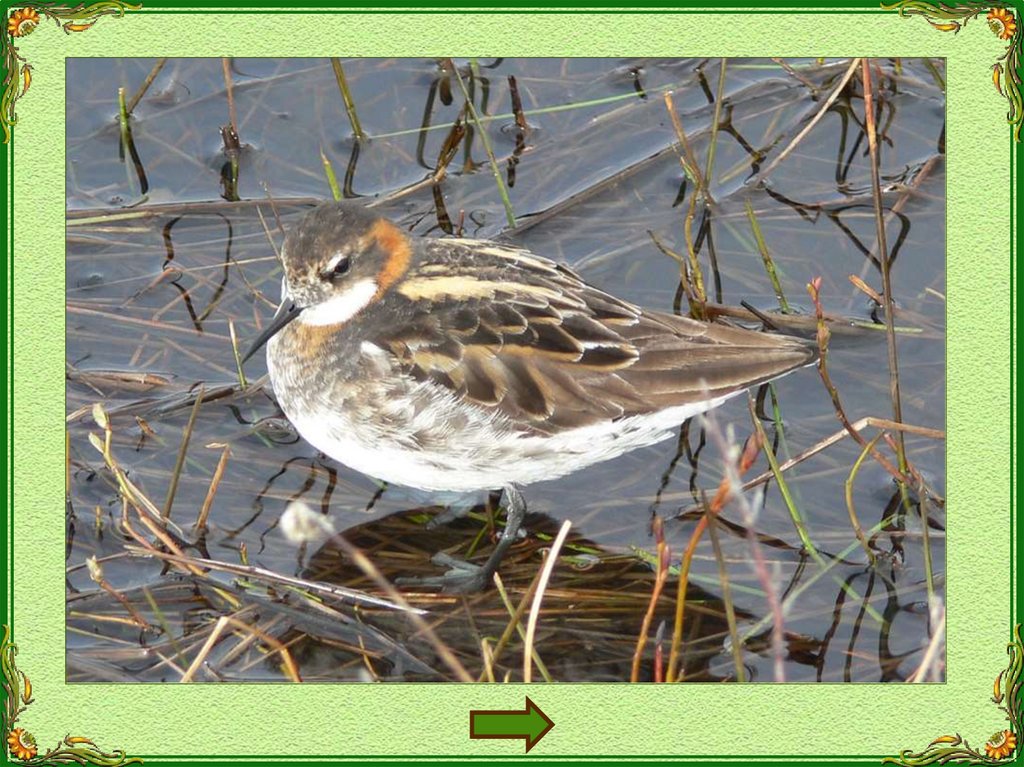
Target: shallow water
<point>595,182</point>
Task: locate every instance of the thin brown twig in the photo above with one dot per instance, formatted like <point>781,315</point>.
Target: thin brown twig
<point>115,317</point>
<point>858,425</point>
<point>813,289</point>
<point>162,535</point>
<point>663,554</point>
<point>906,195</point>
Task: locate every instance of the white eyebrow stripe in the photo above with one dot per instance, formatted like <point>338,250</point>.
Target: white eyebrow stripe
<point>341,307</point>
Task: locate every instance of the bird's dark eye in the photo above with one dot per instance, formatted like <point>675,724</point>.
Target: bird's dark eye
<point>338,270</point>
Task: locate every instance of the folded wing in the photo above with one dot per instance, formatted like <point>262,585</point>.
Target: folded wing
<point>525,336</point>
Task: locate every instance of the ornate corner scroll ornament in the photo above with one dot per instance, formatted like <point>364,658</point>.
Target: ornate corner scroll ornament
<point>21,746</point>
<point>1004,22</point>
<point>22,22</point>
<point>1001,748</point>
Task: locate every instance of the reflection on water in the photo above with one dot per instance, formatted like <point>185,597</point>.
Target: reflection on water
<point>597,178</point>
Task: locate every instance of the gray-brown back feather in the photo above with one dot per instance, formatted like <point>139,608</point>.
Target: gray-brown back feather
<point>511,331</point>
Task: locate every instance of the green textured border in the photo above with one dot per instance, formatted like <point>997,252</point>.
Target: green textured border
<point>791,722</point>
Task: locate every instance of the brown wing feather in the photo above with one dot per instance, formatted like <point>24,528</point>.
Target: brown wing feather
<point>511,331</point>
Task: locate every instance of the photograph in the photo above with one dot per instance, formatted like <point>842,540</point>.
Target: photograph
<point>505,370</point>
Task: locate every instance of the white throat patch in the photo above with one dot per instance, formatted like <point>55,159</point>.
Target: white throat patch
<point>342,307</point>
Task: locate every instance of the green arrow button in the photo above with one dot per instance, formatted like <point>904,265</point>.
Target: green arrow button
<point>531,724</point>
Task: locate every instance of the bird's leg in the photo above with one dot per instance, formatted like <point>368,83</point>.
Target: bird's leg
<point>464,577</point>
<point>514,516</point>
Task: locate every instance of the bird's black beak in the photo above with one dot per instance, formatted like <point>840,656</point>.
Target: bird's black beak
<point>286,312</point>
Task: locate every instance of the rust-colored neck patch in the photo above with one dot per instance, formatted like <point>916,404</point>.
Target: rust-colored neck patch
<point>395,244</point>
<point>305,343</point>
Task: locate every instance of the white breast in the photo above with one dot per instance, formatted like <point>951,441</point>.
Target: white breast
<point>472,448</point>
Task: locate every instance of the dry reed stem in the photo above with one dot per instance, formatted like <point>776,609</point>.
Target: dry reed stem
<point>697,309</point>
<point>204,511</point>
<point>866,289</point>
<point>346,97</point>
<point>796,75</point>
<point>252,572</point>
<point>290,669</point>
<point>488,660</point>
<point>137,96</point>
<point>147,511</point>
<point>848,492</point>
<point>96,574</point>
<point>204,651</point>
<point>883,257</point>
<point>716,121</point>
<point>810,126</point>
<point>520,610</point>
<point>229,86</point>
<point>931,655</point>
<point>746,460</point>
<point>542,584</point>
<point>687,159</point>
<point>179,463</point>
<point>730,610</point>
<point>890,311</point>
<point>370,570</point>
<point>516,613</point>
